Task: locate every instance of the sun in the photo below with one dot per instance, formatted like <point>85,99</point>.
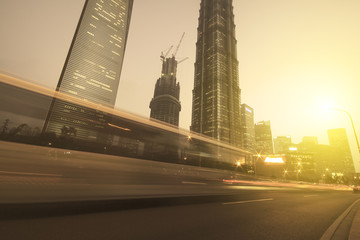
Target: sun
<point>325,104</point>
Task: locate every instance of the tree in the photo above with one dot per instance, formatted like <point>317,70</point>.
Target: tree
<point>5,127</point>
<point>18,129</point>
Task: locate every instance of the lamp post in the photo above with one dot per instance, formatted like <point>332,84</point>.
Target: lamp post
<point>352,124</point>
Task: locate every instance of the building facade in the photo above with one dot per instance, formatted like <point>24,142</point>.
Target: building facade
<point>282,144</point>
<point>310,140</point>
<point>247,128</point>
<point>216,93</point>
<point>165,105</point>
<point>92,68</point>
<point>263,138</point>
<point>338,139</point>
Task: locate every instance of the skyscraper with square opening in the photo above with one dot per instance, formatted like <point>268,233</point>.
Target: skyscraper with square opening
<point>92,68</point>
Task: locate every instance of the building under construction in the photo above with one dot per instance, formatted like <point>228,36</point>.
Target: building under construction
<point>165,105</point>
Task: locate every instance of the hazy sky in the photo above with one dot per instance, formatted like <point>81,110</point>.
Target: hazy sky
<point>294,55</point>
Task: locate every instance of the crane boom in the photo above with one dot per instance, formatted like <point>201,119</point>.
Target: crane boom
<point>180,61</point>
<point>177,48</point>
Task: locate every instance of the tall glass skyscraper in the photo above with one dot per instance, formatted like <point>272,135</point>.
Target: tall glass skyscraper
<point>216,93</point>
<point>93,66</point>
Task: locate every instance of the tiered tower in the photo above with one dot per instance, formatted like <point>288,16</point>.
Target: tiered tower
<point>216,93</point>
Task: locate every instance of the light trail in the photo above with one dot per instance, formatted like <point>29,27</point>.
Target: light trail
<point>31,174</point>
<point>248,201</point>
<point>195,183</point>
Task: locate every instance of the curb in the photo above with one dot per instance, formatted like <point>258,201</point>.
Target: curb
<point>329,233</point>
<point>355,227</point>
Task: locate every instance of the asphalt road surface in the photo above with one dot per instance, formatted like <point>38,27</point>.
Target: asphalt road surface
<point>265,214</point>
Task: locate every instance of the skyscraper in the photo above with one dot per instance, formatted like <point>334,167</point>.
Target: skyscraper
<point>216,93</point>
<point>247,128</point>
<point>92,68</point>
<point>263,138</point>
<point>338,139</point>
<point>309,144</point>
<point>165,105</point>
<point>282,144</point>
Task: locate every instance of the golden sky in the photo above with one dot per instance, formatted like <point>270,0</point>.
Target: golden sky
<point>294,56</point>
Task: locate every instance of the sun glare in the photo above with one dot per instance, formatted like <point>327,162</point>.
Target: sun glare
<point>325,104</point>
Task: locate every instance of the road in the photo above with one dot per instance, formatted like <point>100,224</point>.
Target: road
<point>265,214</point>
<point>59,194</point>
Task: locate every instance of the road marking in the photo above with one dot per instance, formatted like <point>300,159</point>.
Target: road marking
<point>313,195</point>
<point>329,233</point>
<point>248,201</point>
<point>197,183</point>
<point>31,174</point>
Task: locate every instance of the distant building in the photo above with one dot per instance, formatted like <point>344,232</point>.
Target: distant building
<point>282,144</point>
<point>247,128</point>
<point>328,166</point>
<point>295,165</point>
<point>263,138</point>
<point>165,105</point>
<point>216,93</point>
<point>330,161</point>
<point>309,144</point>
<point>338,139</point>
<point>301,166</point>
<point>312,140</point>
<point>92,69</point>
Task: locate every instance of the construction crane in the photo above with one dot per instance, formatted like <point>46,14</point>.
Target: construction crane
<point>163,56</point>
<point>180,61</point>
<point>177,48</point>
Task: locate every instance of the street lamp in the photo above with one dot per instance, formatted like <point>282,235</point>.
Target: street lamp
<point>352,124</point>
<point>285,173</point>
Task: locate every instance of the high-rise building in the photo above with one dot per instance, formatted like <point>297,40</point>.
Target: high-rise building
<point>282,144</point>
<point>165,105</point>
<point>263,138</point>
<point>216,93</point>
<point>338,139</point>
<point>92,68</point>
<point>247,128</point>
<point>310,140</point>
<point>309,144</point>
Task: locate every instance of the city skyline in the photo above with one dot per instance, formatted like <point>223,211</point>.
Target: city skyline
<point>292,56</point>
